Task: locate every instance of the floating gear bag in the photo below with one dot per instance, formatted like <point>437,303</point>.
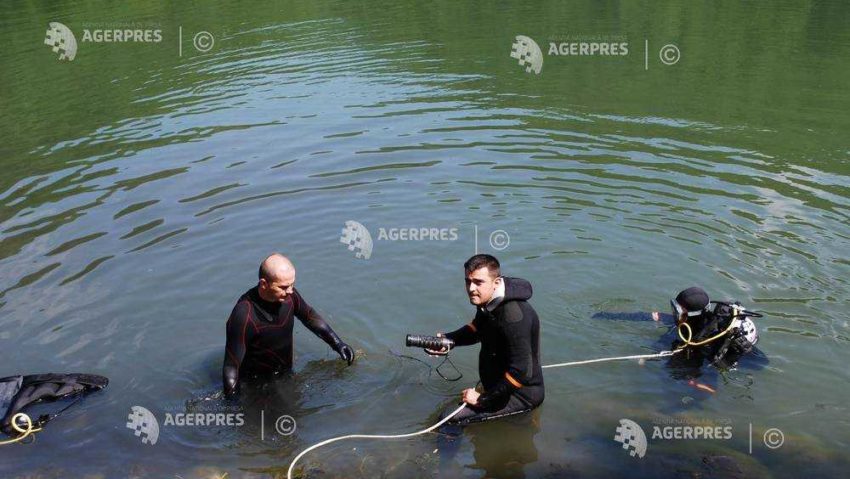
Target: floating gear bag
<point>19,392</point>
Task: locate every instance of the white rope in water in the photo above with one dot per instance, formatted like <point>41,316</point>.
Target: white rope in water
<point>372,436</point>
<point>618,358</point>
<point>460,408</point>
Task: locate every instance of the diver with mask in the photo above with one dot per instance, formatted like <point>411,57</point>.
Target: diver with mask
<point>721,333</point>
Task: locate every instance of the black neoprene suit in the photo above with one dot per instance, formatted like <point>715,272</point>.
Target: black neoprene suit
<point>509,360</point>
<point>259,336</point>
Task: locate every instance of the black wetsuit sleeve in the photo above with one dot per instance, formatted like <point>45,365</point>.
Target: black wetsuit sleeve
<point>310,318</point>
<point>465,335</point>
<point>516,332</point>
<point>239,332</point>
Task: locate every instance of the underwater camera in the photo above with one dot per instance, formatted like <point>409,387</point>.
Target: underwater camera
<point>434,343</point>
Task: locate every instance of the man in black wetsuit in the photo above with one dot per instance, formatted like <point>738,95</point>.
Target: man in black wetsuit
<point>259,330</point>
<point>704,319</point>
<point>509,332</point>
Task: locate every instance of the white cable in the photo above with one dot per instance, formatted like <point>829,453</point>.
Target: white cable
<point>372,436</point>
<point>618,358</point>
<point>456,411</point>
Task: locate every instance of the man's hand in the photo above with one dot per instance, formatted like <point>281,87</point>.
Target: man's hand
<point>345,352</point>
<point>438,352</point>
<point>470,396</point>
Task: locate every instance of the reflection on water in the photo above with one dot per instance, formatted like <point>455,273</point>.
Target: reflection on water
<point>506,458</point>
<point>140,189</point>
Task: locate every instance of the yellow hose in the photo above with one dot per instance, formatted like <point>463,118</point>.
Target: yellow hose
<point>29,431</point>
<point>687,340</point>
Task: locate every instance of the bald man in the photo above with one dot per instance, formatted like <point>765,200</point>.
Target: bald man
<point>259,330</point>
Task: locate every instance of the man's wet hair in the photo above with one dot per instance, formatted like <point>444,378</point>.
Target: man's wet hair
<point>483,261</point>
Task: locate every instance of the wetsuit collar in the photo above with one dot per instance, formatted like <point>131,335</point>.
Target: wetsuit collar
<point>498,296</point>
<point>270,307</point>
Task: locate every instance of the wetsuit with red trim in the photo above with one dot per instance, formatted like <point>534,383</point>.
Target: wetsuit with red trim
<point>509,360</point>
<point>259,336</point>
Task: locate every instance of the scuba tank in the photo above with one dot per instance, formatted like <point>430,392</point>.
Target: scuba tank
<point>742,334</point>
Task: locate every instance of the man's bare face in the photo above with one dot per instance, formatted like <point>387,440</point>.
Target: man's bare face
<point>279,287</point>
<point>480,286</point>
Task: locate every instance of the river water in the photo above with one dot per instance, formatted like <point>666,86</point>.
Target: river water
<point>143,182</point>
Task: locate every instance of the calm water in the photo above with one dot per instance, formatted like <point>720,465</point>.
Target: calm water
<point>141,188</point>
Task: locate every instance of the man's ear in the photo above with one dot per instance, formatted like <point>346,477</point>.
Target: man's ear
<point>499,280</point>
<point>263,283</point>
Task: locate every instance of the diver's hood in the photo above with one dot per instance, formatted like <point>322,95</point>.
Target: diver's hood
<point>517,289</point>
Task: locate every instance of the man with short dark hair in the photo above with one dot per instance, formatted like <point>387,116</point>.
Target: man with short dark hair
<point>259,330</point>
<point>509,332</point>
